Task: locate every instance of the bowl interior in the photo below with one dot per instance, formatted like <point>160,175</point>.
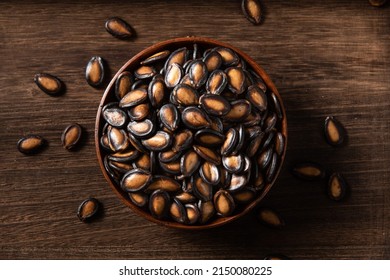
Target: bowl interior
<point>109,96</point>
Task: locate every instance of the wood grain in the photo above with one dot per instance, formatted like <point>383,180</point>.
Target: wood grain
<point>326,58</point>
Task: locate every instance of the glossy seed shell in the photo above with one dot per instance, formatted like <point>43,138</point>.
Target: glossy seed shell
<point>115,116</point>
<point>164,183</point>
<point>173,75</point>
<point>119,28</point>
<point>210,173</point>
<point>214,105</point>
<point>142,129</point>
<point>139,112</point>
<point>198,73</point>
<point>156,92</point>
<point>236,79</point>
<point>49,84</point>
<point>123,84</point>
<point>140,199</point>
<point>209,137</point>
<point>252,10</point>
<point>337,187</point>
<point>94,72</point>
<point>117,139</point>
<point>212,60</point>
<point>136,180</point>
<point>134,97</point>
<point>270,218</point>
<point>308,171</point>
<point>202,190</point>
<point>169,156</point>
<point>233,164</point>
<point>169,117</point>
<point>334,131</point>
<point>159,204</point>
<point>189,163</point>
<point>185,95</point>
<point>257,97</point>
<point>192,213</point>
<point>156,57</point>
<point>182,140</point>
<point>145,72</point>
<point>160,141</point>
<point>71,136</point>
<point>88,209</point>
<point>224,203</point>
<point>195,118</point>
<point>208,154</point>
<point>230,142</point>
<point>240,109</point>
<point>229,57</point>
<point>217,82</point>
<point>177,211</point>
<point>31,144</point>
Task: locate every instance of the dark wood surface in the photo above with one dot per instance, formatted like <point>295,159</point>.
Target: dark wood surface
<point>326,58</point>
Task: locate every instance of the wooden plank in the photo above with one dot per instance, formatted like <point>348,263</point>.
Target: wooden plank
<point>326,58</point>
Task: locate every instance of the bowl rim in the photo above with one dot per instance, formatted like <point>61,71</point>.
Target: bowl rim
<point>146,53</point>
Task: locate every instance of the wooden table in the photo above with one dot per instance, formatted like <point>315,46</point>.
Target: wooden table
<point>326,58</point>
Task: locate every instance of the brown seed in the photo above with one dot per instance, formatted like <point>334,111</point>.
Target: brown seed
<point>195,118</point>
<point>172,167</point>
<point>213,61</point>
<point>156,92</point>
<point>236,79</point>
<point>117,139</point>
<point>234,164</point>
<point>377,3</point>
<point>240,109</point>
<point>179,56</point>
<point>224,203</point>
<point>254,145</point>
<point>210,173</point>
<point>142,129</point>
<point>104,142</point>
<point>121,167</point>
<point>276,257</point>
<point>257,177</point>
<point>245,195</point>
<point>119,28</point>
<point>279,143</point>
<point>189,163</point>
<point>334,131</point>
<point>209,137</point>
<point>124,156</point>
<point>337,187</point>
<point>230,143</point>
<point>94,73</point>
<point>241,139</point>
<point>173,75</point>
<point>185,95</point>
<point>214,105</point>
<point>160,141</point>
<point>159,204</point>
<point>114,174</point>
<point>270,218</point>
<point>270,122</point>
<point>277,106</point>
<point>198,73</point>
<point>226,177</point>
<point>272,169</point>
<point>31,144</point>
<point>163,183</point>
<point>145,72</point>
<point>257,97</point>
<point>207,154</point>
<point>155,57</point>
<point>252,10</point>
<point>237,183</point>
<point>169,156</point>
<point>177,211</point>
<point>182,140</point>
<point>264,158</point>
<point>253,119</point>
<point>136,180</point>
<point>308,171</point>
<point>136,143</point>
<point>207,211</point>
<point>114,116</point>
<point>229,57</point>
<point>193,213</point>
<point>216,124</point>
<point>142,161</point>
<point>139,112</point>
<point>217,82</point>
<point>133,98</point>
<point>49,84</point>
<point>139,198</point>
<point>186,197</point>
<point>88,209</point>
<point>123,84</point>
<point>202,190</point>
<point>169,117</point>
<point>71,136</point>
<point>186,81</point>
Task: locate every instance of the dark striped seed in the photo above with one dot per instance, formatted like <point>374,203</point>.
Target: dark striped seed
<point>88,209</point>
<point>31,144</point>
<point>71,136</point>
<point>252,10</point>
<point>224,203</point>
<point>49,84</point>
<point>119,28</point>
<point>94,72</point>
